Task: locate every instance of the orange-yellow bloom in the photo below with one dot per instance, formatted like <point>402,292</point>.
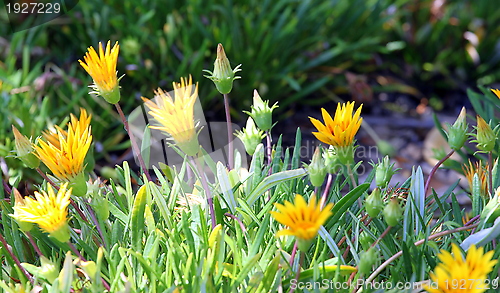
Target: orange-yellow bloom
<point>64,152</point>
<point>458,274</point>
<point>176,116</point>
<point>49,211</point>
<point>340,130</point>
<point>303,220</point>
<point>102,69</point>
<point>482,174</point>
<point>496,92</point>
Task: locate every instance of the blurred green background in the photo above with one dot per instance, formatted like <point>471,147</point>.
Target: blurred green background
<point>299,53</point>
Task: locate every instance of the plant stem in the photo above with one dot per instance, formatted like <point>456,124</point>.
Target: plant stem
<point>381,236</point>
<point>78,210</point>
<point>490,171</point>
<point>229,132</point>
<point>208,194</point>
<point>327,189</point>
<point>47,178</point>
<point>420,242</point>
<point>269,150</point>
<point>15,259</point>
<point>6,187</point>
<point>242,226</point>
<point>294,251</point>
<point>33,243</point>
<point>297,275</point>
<point>135,148</point>
<point>434,169</point>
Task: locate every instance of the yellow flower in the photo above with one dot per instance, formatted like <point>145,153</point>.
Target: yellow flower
<point>64,152</point>
<point>340,130</point>
<point>456,274</point>
<point>496,92</point>
<point>49,211</point>
<point>176,116</point>
<point>482,174</point>
<point>102,69</point>
<point>303,220</point>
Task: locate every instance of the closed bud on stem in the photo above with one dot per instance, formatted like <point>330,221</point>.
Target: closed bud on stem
<point>492,210</point>
<point>457,133</point>
<point>365,240</point>
<point>48,269</point>
<point>485,136</point>
<point>250,136</point>
<point>261,112</point>
<point>393,212</point>
<point>317,168</point>
<point>223,76</point>
<point>331,160</point>
<point>384,171</point>
<point>20,202</point>
<point>374,203</point>
<point>24,149</point>
<point>367,260</point>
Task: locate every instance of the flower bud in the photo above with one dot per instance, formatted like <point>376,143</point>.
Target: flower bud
<point>24,149</point>
<point>250,136</point>
<point>492,210</point>
<point>48,269</point>
<point>374,203</point>
<point>19,201</point>
<point>317,168</point>
<point>393,212</point>
<point>367,259</point>
<point>331,160</point>
<point>457,133</point>
<point>223,75</point>
<point>261,112</point>
<point>485,136</point>
<point>384,171</point>
<point>365,240</point>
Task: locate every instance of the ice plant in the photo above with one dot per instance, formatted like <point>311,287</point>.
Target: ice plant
<point>302,219</point>
<point>458,274</point>
<point>457,133</point>
<point>339,132</point>
<point>63,152</point>
<point>102,69</point>
<point>19,202</point>
<point>261,112</point>
<point>48,210</point>
<point>175,115</point>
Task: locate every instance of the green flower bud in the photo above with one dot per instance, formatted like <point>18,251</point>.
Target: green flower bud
<point>393,212</point>
<point>365,240</point>
<point>223,75</point>
<point>384,171</point>
<point>19,201</point>
<point>250,136</point>
<point>24,149</point>
<point>317,168</point>
<point>492,210</point>
<point>457,133</point>
<point>367,259</point>
<point>331,161</point>
<point>485,136</point>
<point>48,269</point>
<point>261,112</point>
<point>374,203</point>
